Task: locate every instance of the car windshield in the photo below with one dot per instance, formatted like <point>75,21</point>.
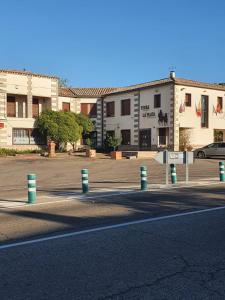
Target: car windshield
<point>210,146</point>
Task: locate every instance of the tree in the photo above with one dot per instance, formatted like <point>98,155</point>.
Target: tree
<point>63,82</point>
<point>59,126</point>
<point>84,122</point>
<point>184,140</point>
<point>112,142</point>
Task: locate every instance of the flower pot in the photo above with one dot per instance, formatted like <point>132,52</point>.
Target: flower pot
<point>91,153</point>
<point>51,149</point>
<point>116,155</point>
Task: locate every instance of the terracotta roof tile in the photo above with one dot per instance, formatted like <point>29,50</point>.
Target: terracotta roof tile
<point>91,92</point>
<point>141,86</point>
<point>205,85</point>
<point>66,92</point>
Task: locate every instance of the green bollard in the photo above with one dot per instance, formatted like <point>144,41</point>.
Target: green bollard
<point>173,173</point>
<point>85,187</point>
<point>222,175</point>
<point>144,182</point>
<point>31,188</point>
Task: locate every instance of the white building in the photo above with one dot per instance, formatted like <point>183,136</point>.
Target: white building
<point>152,115</point>
<point>146,116</point>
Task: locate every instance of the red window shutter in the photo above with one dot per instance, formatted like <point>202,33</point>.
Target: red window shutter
<point>85,108</point>
<point>35,108</point>
<point>11,106</point>
<point>66,106</point>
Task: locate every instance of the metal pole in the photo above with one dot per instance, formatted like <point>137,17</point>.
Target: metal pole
<point>167,169</point>
<point>187,166</point>
<point>222,175</point>
<point>84,174</point>
<point>144,182</point>
<point>31,188</point>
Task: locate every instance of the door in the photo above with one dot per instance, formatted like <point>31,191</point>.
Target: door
<point>145,139</point>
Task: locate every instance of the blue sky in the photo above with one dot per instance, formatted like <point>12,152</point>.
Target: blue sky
<point>114,42</point>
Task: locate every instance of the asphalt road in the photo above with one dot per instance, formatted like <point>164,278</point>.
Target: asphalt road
<point>171,255</point>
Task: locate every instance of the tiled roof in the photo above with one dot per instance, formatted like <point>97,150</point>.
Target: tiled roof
<point>142,85</point>
<point>205,85</point>
<point>66,92</point>
<point>84,92</point>
<point>91,92</point>
<point>22,72</point>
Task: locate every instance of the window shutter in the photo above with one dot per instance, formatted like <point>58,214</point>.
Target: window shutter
<point>11,106</point>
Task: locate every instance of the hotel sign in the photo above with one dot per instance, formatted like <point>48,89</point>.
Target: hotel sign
<point>146,113</point>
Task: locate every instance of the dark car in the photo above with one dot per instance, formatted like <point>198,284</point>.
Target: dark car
<point>214,149</point>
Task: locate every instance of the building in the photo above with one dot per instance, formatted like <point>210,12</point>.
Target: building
<point>145,116</point>
<point>154,114</point>
<point>24,95</point>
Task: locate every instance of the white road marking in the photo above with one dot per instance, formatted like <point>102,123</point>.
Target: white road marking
<point>103,228</point>
<point>98,194</point>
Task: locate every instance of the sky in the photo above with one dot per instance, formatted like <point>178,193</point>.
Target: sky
<point>98,43</point>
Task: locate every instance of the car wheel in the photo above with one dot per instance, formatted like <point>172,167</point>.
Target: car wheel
<point>201,154</point>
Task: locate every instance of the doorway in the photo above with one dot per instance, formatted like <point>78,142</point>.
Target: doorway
<point>145,139</point>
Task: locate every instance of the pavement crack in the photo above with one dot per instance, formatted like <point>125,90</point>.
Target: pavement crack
<point>144,285</point>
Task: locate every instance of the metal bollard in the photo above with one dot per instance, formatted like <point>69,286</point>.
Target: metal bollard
<point>173,173</point>
<point>85,187</point>
<point>144,182</point>
<point>222,175</point>
<point>31,188</point>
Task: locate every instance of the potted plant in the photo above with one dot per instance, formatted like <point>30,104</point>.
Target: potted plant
<point>89,151</point>
<point>112,143</point>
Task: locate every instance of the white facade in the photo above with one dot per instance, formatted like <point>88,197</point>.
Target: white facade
<point>158,111</point>
<point>23,87</point>
<point>189,119</point>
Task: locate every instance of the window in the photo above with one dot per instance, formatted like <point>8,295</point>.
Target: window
<point>35,108</point>
<point>26,136</point>
<point>66,106</point>
<point>221,145</point>
<point>110,109</point>
<point>205,111</point>
<point>125,134</point>
<point>163,136</point>
<point>157,101</point>
<point>219,106</point>
<point>110,133</point>
<point>89,109</point>
<point>187,99</point>
<point>11,106</point>
<point>93,110</point>
<point>125,107</point>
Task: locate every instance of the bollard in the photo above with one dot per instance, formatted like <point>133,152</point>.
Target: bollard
<point>173,173</point>
<point>31,188</point>
<point>144,182</point>
<point>222,175</point>
<point>84,173</point>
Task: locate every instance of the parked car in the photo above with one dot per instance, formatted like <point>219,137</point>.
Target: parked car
<point>214,149</point>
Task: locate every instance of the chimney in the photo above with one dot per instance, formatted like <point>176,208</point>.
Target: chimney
<point>172,74</point>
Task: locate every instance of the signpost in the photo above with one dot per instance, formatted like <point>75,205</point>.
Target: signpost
<point>177,158</point>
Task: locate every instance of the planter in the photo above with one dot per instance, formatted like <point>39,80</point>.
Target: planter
<point>116,155</point>
<point>91,153</point>
<point>51,149</point>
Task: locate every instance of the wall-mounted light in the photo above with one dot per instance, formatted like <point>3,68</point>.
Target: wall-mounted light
<point>182,89</point>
